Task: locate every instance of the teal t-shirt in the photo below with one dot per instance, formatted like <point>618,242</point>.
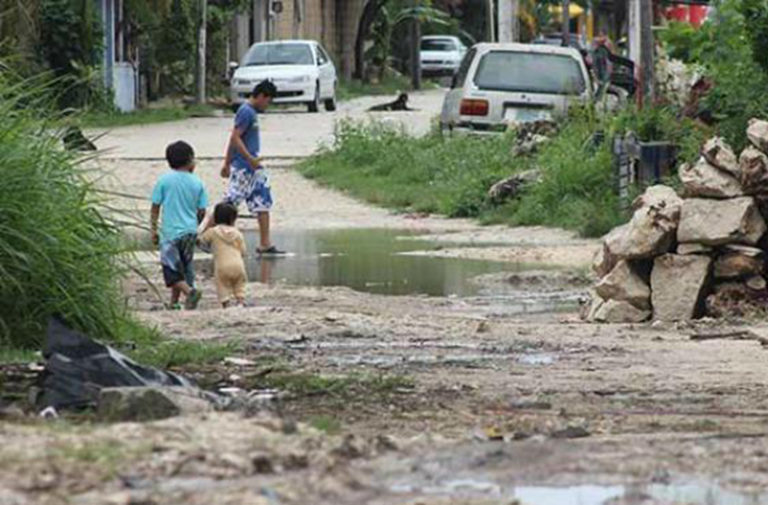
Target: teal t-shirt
<point>180,195</point>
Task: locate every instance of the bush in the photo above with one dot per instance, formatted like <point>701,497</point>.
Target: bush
<point>58,254</point>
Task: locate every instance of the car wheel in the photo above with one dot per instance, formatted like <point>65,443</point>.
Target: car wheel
<point>330,103</point>
<point>314,105</point>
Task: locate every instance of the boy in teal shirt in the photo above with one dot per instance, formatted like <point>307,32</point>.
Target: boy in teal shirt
<point>182,198</point>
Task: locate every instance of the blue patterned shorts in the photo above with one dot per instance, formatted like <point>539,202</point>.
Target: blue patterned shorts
<point>177,257</point>
<point>251,186</point>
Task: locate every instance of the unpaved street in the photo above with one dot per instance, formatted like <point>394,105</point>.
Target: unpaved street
<point>503,397</point>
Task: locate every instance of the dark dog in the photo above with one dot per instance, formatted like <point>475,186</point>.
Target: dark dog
<point>400,104</point>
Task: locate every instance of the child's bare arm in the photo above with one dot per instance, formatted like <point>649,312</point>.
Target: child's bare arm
<point>153,219</point>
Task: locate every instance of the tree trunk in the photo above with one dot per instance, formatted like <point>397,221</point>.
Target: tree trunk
<point>566,23</point>
<point>508,21</point>
<point>416,50</point>
<point>490,22</point>
<point>372,8</point>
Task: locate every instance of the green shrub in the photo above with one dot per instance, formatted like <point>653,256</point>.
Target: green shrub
<point>58,254</point>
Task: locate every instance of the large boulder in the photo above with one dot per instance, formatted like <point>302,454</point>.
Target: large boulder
<point>651,231</point>
<point>754,170</point>
<point>701,179</point>
<point>757,133</point>
<point>149,403</point>
<point>677,285</point>
<point>734,265</point>
<point>719,154</point>
<point>718,222</point>
<point>694,248</point>
<point>623,284</point>
<point>615,311</point>
<point>604,260</point>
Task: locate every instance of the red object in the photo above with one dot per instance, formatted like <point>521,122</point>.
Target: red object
<point>693,14</point>
<point>471,107</point>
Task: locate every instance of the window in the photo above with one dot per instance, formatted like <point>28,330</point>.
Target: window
<point>322,58</point>
<point>438,45</point>
<point>279,54</point>
<point>461,75</point>
<point>530,73</point>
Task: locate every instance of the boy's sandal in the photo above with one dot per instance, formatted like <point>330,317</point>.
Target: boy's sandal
<point>175,306</point>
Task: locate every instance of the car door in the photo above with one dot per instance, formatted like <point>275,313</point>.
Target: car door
<point>326,71</point>
<point>451,104</point>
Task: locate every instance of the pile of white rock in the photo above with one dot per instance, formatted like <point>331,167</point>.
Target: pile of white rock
<point>700,253</point>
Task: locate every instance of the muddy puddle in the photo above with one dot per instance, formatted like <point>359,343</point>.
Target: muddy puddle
<point>375,261</point>
<point>688,492</point>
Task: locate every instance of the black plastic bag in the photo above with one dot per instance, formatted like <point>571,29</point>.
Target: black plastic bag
<point>77,368</point>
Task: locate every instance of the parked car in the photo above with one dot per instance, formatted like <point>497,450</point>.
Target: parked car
<point>301,69</point>
<point>441,54</point>
<point>499,84</point>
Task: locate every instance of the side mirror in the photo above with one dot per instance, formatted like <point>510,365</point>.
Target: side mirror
<point>233,65</point>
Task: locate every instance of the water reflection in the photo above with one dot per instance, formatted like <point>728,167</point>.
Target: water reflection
<point>368,260</point>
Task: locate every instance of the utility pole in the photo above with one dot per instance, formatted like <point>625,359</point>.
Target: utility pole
<point>201,46</point>
<point>490,21</point>
<point>641,47</point>
<point>508,21</point>
<point>566,23</point>
<point>416,48</point>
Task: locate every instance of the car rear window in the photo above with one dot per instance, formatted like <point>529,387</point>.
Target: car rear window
<point>279,54</point>
<point>438,45</point>
<point>530,73</point>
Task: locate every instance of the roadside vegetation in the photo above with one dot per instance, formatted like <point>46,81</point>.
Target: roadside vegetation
<point>101,119</point>
<point>452,175</point>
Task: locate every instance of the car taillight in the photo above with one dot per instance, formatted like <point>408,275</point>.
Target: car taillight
<point>474,107</point>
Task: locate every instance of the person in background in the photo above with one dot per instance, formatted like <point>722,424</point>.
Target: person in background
<point>248,180</point>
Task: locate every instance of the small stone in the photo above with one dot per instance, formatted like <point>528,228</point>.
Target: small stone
<point>719,154</point>
<point>149,403</point>
<point>704,180</point>
<point>734,265</point>
<point>757,133</point>
<point>623,284</point>
<point>239,361</point>
<point>757,283</point>
<point>677,283</point>
<point>613,311</point>
<point>754,170</point>
<point>694,248</point>
<point>719,222</point>
<point>571,432</point>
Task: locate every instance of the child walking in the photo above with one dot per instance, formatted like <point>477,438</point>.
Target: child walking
<point>181,197</point>
<point>228,247</point>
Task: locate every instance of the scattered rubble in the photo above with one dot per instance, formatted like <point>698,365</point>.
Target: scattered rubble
<point>149,403</point>
<point>703,254</point>
<point>512,187</point>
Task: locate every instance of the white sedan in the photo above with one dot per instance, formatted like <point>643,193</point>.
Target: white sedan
<point>301,69</point>
<point>441,54</point>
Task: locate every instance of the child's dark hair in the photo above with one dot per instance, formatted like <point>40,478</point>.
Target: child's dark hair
<point>179,154</point>
<point>225,213</point>
<point>267,88</point>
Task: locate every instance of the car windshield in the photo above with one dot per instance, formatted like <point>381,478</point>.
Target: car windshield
<point>278,54</point>
<point>530,73</point>
<point>437,45</point>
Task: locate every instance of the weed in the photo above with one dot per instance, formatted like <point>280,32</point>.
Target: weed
<point>327,424</point>
<point>344,386</point>
<point>98,119</point>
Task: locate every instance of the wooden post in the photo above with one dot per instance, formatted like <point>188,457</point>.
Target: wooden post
<point>566,23</point>
<point>647,49</point>
<point>416,49</point>
<point>201,46</point>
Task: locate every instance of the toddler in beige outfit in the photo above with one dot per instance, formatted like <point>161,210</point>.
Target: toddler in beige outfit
<point>228,247</point>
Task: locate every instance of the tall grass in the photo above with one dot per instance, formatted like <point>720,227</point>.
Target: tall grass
<point>452,176</point>
<point>58,253</point>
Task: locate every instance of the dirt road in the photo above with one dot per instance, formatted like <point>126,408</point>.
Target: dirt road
<point>418,399</point>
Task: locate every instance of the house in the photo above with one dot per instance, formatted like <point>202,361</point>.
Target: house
<point>120,60</point>
<point>334,23</point>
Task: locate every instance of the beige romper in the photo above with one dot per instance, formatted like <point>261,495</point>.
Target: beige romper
<point>228,265</point>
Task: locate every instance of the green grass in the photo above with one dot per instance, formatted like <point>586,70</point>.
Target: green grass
<point>391,85</point>
<point>143,116</point>
<point>339,386</point>
<point>326,424</point>
<point>451,176</point>
<point>10,355</point>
